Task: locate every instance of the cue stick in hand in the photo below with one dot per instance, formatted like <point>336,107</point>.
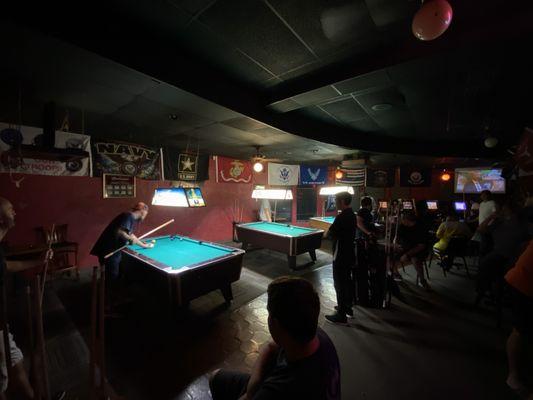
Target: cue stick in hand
<point>140,237</point>
<point>47,261</point>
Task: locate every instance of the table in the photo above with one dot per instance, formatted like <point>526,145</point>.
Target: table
<point>321,223</point>
<point>185,267</point>
<point>289,239</point>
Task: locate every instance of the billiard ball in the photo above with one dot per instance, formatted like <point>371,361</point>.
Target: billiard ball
<point>153,241</point>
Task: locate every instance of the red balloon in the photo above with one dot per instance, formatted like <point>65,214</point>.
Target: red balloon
<point>432,20</point>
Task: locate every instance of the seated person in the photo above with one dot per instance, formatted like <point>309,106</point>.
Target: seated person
<point>300,363</point>
<point>450,228</point>
<point>509,233</point>
<point>412,249</point>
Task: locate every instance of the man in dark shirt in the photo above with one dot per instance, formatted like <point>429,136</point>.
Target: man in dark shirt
<point>413,246</point>
<point>300,363</point>
<point>342,231</point>
<point>365,239</point>
<point>117,234</point>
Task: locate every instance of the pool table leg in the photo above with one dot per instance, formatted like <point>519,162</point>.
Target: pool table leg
<point>227,292</point>
<point>292,262</point>
<point>312,253</point>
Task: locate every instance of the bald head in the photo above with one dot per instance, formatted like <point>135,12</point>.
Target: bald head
<point>7,214</point>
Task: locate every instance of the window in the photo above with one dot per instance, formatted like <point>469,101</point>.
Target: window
<point>305,203</point>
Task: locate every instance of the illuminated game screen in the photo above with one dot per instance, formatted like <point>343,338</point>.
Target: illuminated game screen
<point>172,197</point>
<point>432,205</point>
<point>407,205</point>
<point>475,180</point>
<point>194,197</point>
<point>459,205</point>
<point>384,204</point>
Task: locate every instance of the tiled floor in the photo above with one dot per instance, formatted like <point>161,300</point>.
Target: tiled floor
<point>431,346</point>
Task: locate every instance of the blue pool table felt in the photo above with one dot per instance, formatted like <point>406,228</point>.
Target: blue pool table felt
<point>280,229</point>
<point>177,253</point>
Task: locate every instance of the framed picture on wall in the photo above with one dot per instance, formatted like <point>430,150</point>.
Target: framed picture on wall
<point>118,186</point>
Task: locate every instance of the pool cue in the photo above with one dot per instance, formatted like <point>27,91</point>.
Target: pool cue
<point>141,237</point>
<point>31,338</point>
<point>39,338</point>
<point>92,344</point>
<point>5,327</point>
<point>47,261</point>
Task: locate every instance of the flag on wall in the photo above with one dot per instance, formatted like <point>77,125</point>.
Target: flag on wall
<point>181,166</point>
<point>110,157</point>
<point>380,177</point>
<point>351,176</point>
<point>313,174</point>
<point>11,136</point>
<point>283,174</point>
<point>231,170</point>
<point>415,177</point>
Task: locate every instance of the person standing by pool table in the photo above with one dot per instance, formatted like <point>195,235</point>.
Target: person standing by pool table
<point>342,231</point>
<point>117,234</point>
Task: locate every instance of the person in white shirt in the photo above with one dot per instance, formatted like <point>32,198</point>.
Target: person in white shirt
<point>265,212</point>
<point>487,207</point>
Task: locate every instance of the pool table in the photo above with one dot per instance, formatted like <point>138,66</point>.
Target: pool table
<point>321,223</point>
<point>185,268</point>
<point>289,239</point>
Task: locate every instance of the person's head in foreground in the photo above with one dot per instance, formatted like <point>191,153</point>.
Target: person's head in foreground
<point>7,214</point>
<point>485,195</point>
<point>343,200</point>
<point>140,210</point>
<point>293,308</point>
<point>366,202</point>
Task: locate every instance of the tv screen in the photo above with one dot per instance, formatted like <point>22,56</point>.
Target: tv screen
<point>384,204</point>
<point>459,205</point>
<point>172,197</point>
<point>432,205</point>
<point>407,205</point>
<point>194,197</point>
<point>475,180</point>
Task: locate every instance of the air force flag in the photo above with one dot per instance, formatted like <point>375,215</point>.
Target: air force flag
<point>313,174</point>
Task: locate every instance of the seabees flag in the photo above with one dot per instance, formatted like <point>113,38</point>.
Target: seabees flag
<point>283,174</point>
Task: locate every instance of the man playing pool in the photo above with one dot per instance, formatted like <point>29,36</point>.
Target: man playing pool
<point>118,233</point>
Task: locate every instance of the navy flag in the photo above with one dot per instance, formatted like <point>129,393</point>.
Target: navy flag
<point>313,174</point>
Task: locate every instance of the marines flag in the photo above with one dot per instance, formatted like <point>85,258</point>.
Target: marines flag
<point>230,170</point>
<point>313,174</point>
<point>283,174</point>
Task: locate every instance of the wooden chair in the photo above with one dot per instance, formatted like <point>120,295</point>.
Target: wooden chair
<point>65,253</point>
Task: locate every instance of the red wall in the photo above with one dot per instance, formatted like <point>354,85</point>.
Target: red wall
<point>78,202</point>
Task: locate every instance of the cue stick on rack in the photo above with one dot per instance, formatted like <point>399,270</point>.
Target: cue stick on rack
<point>5,326</point>
<point>47,261</point>
<point>39,338</point>
<point>140,237</point>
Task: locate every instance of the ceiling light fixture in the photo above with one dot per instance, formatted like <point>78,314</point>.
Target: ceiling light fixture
<point>381,107</point>
<point>258,167</point>
<point>491,142</point>
<point>445,176</point>
<point>432,20</point>
<point>172,117</point>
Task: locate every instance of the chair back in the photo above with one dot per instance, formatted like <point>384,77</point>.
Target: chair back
<point>458,245</point>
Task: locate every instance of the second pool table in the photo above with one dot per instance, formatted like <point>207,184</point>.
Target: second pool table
<point>289,239</point>
<point>321,223</point>
<point>185,267</point>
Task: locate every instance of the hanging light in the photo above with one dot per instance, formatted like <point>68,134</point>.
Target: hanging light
<point>491,141</point>
<point>445,176</point>
<point>339,174</point>
<point>258,167</point>
<point>432,20</point>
